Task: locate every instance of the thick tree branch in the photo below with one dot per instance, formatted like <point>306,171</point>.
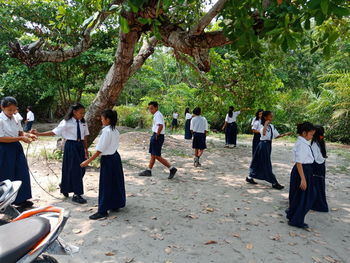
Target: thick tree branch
<point>33,54</point>
<point>208,17</point>
<point>146,50</point>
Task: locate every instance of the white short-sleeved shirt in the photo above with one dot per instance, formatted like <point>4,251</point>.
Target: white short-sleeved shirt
<point>253,120</point>
<point>317,153</point>
<point>188,116</point>
<point>175,115</point>
<point>158,119</point>
<point>30,116</point>
<point>199,124</point>
<point>18,116</point>
<point>270,129</point>
<point>9,127</point>
<point>108,143</point>
<point>256,125</point>
<point>68,129</point>
<point>302,152</point>
<point>233,118</point>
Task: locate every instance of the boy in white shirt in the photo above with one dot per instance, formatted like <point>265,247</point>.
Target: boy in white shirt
<point>199,128</point>
<point>156,142</point>
<point>29,119</point>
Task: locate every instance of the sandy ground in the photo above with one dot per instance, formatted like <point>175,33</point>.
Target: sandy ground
<point>206,214</point>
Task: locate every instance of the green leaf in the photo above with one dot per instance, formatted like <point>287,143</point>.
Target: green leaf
<point>167,3</point>
<point>313,50</point>
<point>124,24</point>
<point>113,7</point>
<point>61,10</point>
<point>324,6</point>
<point>307,24</point>
<point>341,11</point>
<point>333,37</point>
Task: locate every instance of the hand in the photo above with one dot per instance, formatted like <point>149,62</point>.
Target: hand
<point>84,164</point>
<point>34,131</point>
<point>26,139</point>
<point>157,135</point>
<point>267,123</point>
<point>303,184</point>
<point>288,133</point>
<point>32,136</point>
<point>86,154</point>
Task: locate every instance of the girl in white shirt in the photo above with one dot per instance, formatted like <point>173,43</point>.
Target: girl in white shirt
<point>256,130</point>
<point>261,166</point>
<point>174,123</point>
<point>111,189</point>
<point>199,129</point>
<point>188,117</point>
<point>74,130</point>
<point>319,149</point>
<point>301,189</point>
<point>13,163</point>
<point>231,127</point>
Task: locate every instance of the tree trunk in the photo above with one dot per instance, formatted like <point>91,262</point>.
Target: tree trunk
<point>114,81</point>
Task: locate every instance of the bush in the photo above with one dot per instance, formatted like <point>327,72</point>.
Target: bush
<point>133,116</point>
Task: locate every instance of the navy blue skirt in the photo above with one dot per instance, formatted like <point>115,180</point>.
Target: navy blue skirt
<point>188,133</point>
<point>112,189</point>
<point>319,181</point>
<point>261,166</point>
<point>256,141</point>
<point>231,133</point>
<point>14,166</point>
<point>174,123</point>
<point>199,141</point>
<point>300,202</point>
<point>72,173</point>
<point>155,145</point>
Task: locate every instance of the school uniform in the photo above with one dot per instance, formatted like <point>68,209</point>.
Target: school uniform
<point>13,163</point>
<point>199,125</point>
<point>30,120</point>
<point>319,178</point>
<point>188,134</point>
<point>300,202</point>
<point>261,166</point>
<point>18,117</point>
<point>74,132</point>
<point>231,128</point>
<point>256,138</point>
<point>111,187</point>
<point>174,123</point>
<point>156,142</point>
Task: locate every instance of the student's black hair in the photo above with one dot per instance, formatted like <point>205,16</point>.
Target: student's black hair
<point>72,108</point>
<point>264,115</point>
<point>8,101</point>
<point>29,108</point>
<point>305,127</point>
<point>257,114</point>
<point>230,111</point>
<point>187,110</point>
<point>197,111</point>
<point>318,138</point>
<point>112,116</point>
<point>153,103</point>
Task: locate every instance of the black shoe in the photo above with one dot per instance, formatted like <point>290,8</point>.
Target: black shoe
<point>277,186</point>
<point>98,216</point>
<point>304,226</point>
<point>146,173</point>
<point>116,210</point>
<point>172,173</point>
<point>250,180</point>
<point>79,199</point>
<point>25,204</point>
<point>65,194</point>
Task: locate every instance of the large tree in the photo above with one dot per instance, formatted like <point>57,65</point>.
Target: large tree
<point>182,25</point>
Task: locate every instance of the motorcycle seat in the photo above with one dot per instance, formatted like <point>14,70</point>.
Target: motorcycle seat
<point>19,237</point>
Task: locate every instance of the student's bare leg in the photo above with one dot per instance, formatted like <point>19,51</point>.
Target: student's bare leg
<point>163,161</point>
<point>152,161</point>
<point>200,152</point>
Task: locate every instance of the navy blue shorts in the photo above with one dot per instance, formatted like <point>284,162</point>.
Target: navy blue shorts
<point>199,141</point>
<point>155,145</point>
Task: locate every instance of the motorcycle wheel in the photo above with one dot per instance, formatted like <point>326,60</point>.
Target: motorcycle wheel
<point>45,259</point>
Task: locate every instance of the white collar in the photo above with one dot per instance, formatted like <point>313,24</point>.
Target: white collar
<point>106,127</point>
<point>303,140</point>
<point>3,116</point>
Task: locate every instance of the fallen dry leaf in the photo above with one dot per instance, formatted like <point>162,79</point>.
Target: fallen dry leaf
<point>292,234</point>
<point>76,231</point>
<point>330,259</point>
<point>334,209</point>
<point>210,242</point>
<point>292,243</point>
<point>168,250</point>
<point>238,235</point>
<point>210,209</point>
<point>316,259</point>
<point>249,246</point>
<point>192,216</point>
<point>276,237</point>
<point>129,260</point>
<point>109,254</point>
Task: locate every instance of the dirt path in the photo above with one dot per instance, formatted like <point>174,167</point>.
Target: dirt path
<point>173,221</point>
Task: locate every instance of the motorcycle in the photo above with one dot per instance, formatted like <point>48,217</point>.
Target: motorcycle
<point>33,232</point>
